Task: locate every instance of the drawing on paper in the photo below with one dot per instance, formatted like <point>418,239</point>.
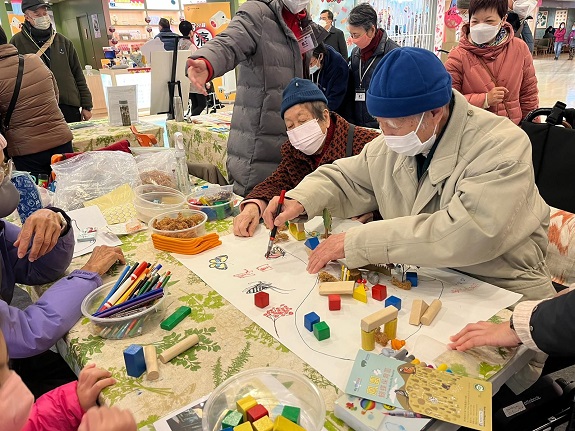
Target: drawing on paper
<point>275,313</point>
<point>219,262</point>
<point>259,286</point>
<point>276,253</point>
<point>246,273</point>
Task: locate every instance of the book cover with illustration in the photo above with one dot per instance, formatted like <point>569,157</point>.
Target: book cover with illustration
<point>427,391</point>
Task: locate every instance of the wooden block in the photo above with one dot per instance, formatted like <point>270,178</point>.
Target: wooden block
<point>431,312</point>
<point>359,293</point>
<point>393,300</point>
<point>368,340</point>
<point>232,419</point>
<point>390,329</point>
<point>263,424</point>
<point>336,288</point>
<point>188,342</point>
<point>134,359</point>
<point>284,424</point>
<point>379,292</point>
<point>379,318</point>
<point>309,320</point>
<point>151,357</point>
<point>321,331</point>
<point>292,413</point>
<point>246,426</point>
<point>297,230</point>
<point>256,412</point>
<point>244,404</point>
<point>418,307</point>
<point>262,299</point>
<point>334,302</point>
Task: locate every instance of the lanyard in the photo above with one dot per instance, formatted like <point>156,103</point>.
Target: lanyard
<point>364,73</point>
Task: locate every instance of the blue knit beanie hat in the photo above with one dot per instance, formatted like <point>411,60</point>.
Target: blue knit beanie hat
<point>408,81</point>
<point>301,91</point>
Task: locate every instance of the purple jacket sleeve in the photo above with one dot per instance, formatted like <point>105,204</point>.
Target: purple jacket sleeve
<point>44,270</point>
<point>38,327</point>
<point>58,410</point>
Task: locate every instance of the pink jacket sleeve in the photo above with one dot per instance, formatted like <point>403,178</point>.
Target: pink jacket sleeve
<point>454,66</point>
<point>528,93</point>
<point>58,410</point>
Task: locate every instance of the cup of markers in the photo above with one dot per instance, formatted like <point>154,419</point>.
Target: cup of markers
<point>129,306</point>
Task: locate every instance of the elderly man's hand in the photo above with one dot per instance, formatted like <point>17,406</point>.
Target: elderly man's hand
<point>328,250</point>
<point>107,419</point>
<point>290,210</point>
<point>246,222</point>
<point>86,115</point>
<point>484,334</point>
<point>198,75</point>
<point>102,259</point>
<point>42,229</point>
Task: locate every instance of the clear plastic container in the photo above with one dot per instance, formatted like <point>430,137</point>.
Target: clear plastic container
<point>271,387</point>
<point>117,328</point>
<point>151,200</point>
<point>191,232</point>
<point>217,211</point>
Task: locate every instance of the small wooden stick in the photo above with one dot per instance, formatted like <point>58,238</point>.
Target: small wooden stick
<point>151,358</point>
<point>181,347</point>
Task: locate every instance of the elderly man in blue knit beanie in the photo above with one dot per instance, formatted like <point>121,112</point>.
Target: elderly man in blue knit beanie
<point>453,183</point>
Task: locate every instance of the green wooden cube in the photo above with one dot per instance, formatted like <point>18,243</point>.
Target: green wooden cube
<point>233,419</point>
<point>292,413</point>
<point>321,331</point>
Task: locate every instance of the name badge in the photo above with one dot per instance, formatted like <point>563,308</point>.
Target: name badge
<point>307,41</point>
<point>360,95</point>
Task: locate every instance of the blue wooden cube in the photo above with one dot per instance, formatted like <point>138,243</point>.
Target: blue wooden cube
<point>311,243</point>
<point>393,300</point>
<point>412,278</point>
<point>309,320</point>
<point>134,359</point>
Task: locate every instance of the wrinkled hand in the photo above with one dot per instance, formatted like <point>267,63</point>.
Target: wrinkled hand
<point>290,210</point>
<point>364,218</point>
<point>246,222</point>
<point>198,75</point>
<point>327,250</point>
<point>102,259</point>
<point>42,229</point>
<point>496,95</point>
<point>107,419</point>
<point>91,381</point>
<point>484,334</point>
<point>86,115</point>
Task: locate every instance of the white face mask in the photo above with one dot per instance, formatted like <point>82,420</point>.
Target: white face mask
<point>323,23</point>
<point>483,33</point>
<point>410,144</point>
<point>524,8</point>
<point>42,22</point>
<point>296,6</point>
<point>307,138</point>
<point>313,69</point>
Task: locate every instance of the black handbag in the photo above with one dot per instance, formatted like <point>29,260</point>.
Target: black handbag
<point>553,148</point>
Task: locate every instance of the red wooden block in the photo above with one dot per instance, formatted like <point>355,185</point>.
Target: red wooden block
<point>379,292</point>
<point>262,299</point>
<point>334,302</point>
<point>256,412</point>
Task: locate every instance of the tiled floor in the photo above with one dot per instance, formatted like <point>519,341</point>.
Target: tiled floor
<point>556,80</point>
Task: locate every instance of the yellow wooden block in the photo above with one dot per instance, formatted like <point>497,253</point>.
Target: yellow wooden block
<point>263,424</point>
<point>390,329</point>
<point>368,340</point>
<point>283,424</point>
<point>297,230</point>
<point>246,426</point>
<point>360,294</point>
<point>245,404</point>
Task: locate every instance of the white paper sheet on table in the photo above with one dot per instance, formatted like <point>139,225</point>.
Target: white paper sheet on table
<point>83,218</point>
<point>244,270</point>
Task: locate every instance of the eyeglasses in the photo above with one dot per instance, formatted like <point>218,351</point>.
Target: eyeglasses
<point>6,170</point>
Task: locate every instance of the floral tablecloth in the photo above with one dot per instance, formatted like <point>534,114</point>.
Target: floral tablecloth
<point>205,138</point>
<point>100,134</point>
<point>229,343</point>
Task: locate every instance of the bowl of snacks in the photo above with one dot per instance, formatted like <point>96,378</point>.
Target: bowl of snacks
<point>270,395</point>
<point>151,200</point>
<point>181,223</point>
<point>217,202</point>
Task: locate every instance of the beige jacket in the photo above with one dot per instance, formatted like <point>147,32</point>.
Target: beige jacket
<point>476,209</point>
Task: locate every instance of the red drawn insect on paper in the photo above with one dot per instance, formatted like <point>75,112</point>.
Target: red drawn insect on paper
<point>246,273</point>
<point>276,313</point>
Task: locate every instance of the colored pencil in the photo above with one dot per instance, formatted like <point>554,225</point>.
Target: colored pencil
<point>125,286</point>
<point>126,270</point>
<point>132,287</point>
<point>104,313</point>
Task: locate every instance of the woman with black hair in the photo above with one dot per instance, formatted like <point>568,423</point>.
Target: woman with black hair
<point>329,71</point>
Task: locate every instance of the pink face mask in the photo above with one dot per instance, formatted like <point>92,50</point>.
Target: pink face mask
<point>15,403</point>
<point>362,41</point>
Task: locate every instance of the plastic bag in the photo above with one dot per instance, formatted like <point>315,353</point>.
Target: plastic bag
<point>158,168</point>
<point>91,175</point>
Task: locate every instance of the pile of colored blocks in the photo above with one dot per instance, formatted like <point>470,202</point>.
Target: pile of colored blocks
<point>251,416</point>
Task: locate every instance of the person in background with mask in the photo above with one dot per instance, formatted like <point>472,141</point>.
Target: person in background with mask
<point>571,42</point>
<point>39,253</point>
<point>492,68</point>
<point>62,409</point>
<point>371,45</point>
<point>316,137</point>
<point>58,53</point>
<point>335,38</point>
<point>271,41</point>
<point>329,71</point>
<point>524,9</point>
<point>559,39</point>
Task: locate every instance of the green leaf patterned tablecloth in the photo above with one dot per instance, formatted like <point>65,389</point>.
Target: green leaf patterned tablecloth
<point>205,139</point>
<point>100,134</point>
